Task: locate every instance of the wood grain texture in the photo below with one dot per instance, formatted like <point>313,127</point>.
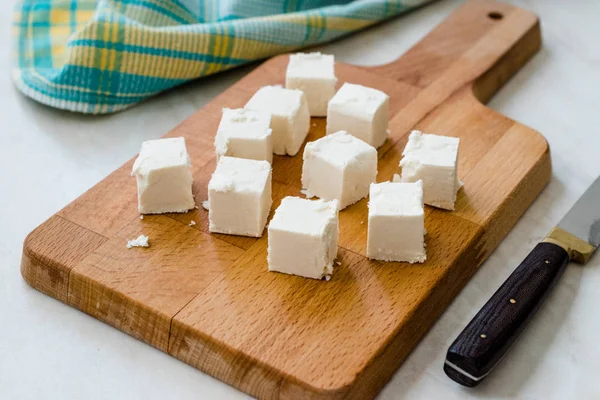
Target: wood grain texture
<point>139,291</point>
<point>52,250</point>
<point>208,299</point>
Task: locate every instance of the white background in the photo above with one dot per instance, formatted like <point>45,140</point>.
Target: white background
<point>48,158</point>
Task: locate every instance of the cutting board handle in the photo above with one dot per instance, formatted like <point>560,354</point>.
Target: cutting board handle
<point>482,43</point>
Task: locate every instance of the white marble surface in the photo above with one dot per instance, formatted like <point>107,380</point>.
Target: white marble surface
<point>47,158</point>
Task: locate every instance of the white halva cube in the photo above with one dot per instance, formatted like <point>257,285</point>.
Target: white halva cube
<point>239,197</point>
<point>303,237</point>
<point>432,159</point>
<point>361,111</point>
<point>244,134</point>
<point>314,74</point>
<point>164,178</point>
<point>290,120</point>
<point>396,222</point>
<point>339,167</point>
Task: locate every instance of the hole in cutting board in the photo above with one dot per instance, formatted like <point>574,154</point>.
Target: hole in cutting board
<point>495,15</point>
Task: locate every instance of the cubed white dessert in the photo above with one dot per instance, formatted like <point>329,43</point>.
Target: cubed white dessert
<point>239,196</point>
<point>432,159</point>
<point>314,74</point>
<point>303,237</point>
<point>244,134</point>
<point>339,167</point>
<point>361,111</point>
<point>164,178</point>
<point>396,222</point>
<point>290,120</point>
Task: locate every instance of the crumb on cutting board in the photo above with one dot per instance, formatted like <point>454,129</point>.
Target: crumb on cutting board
<point>192,223</point>
<point>141,241</point>
<point>142,216</point>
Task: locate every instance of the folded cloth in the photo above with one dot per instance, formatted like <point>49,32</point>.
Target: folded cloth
<point>101,56</point>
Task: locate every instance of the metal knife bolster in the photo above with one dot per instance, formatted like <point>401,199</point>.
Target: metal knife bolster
<point>578,249</point>
<point>579,230</point>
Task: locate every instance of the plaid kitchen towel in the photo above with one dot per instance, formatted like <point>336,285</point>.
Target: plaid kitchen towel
<point>101,56</point>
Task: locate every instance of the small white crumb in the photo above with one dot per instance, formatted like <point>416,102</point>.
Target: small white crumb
<point>141,241</point>
<point>192,223</point>
<point>362,222</point>
<point>196,207</point>
<point>205,205</point>
<point>327,278</point>
<point>141,217</point>
<point>337,262</point>
<point>308,194</point>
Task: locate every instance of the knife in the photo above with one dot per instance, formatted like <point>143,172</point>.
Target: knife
<point>491,333</point>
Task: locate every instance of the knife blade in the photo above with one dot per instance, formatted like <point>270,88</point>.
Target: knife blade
<point>495,328</point>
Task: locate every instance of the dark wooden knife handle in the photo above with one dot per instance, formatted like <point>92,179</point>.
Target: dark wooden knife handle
<point>499,323</point>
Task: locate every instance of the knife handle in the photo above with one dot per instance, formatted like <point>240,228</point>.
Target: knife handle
<point>499,323</point>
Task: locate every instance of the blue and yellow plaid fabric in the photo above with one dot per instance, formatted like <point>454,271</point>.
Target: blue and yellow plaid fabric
<point>101,56</point>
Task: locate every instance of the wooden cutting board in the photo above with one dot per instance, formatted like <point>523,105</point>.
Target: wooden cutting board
<point>209,300</point>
